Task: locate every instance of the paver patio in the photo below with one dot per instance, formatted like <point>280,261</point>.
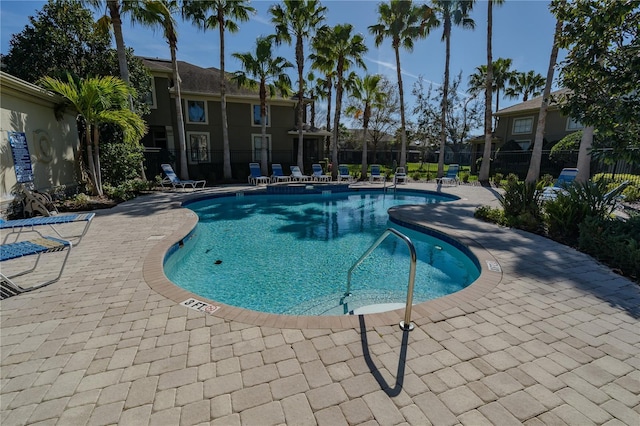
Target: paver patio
<point>554,338</point>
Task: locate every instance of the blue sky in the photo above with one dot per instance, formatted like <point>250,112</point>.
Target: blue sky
<point>523,31</point>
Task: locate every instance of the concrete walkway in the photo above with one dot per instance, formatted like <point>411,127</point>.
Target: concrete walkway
<point>554,340</point>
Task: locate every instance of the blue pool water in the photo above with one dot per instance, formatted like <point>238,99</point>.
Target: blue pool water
<point>290,254</point>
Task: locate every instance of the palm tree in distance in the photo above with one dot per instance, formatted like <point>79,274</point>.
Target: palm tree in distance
<point>525,84</point>
<point>502,76</point>
<point>402,22</point>
<point>345,50</point>
<point>99,100</point>
<point>299,19</point>
<point>271,74</point>
<point>224,15</point>
<point>451,12</point>
<point>159,14</point>
<point>327,66</point>
<point>367,92</point>
<point>483,176</point>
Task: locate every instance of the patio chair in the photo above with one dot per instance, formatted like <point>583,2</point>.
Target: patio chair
<point>400,176</point>
<point>566,178</point>
<point>451,178</point>
<point>296,175</point>
<point>278,175</point>
<point>36,246</point>
<point>175,182</point>
<point>375,175</point>
<point>256,177</point>
<point>318,174</point>
<point>343,173</point>
<point>18,226</point>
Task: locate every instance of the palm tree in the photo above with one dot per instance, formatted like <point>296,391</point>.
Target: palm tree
<point>159,14</point>
<point>451,12</point>
<point>344,50</point>
<point>299,19</point>
<point>224,14</point>
<point>99,100</point>
<point>271,75</point>
<point>536,155</point>
<point>327,66</point>
<point>402,22</point>
<point>483,176</point>
<point>367,92</point>
<point>502,76</point>
<point>526,84</point>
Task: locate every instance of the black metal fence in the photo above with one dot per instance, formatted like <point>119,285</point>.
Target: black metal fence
<point>209,165</point>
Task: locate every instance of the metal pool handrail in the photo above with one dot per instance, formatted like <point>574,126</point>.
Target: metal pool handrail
<point>406,324</point>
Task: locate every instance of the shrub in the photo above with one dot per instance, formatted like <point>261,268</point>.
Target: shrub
<point>613,242</point>
<point>490,214</point>
<point>497,178</point>
<point>416,176</point>
<point>464,176</point>
<point>120,162</point>
<point>521,204</point>
<point>126,190</point>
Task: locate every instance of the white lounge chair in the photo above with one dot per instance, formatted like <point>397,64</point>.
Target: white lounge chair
<point>174,181</point>
<point>451,178</point>
<point>318,175</point>
<point>375,175</point>
<point>296,175</point>
<point>256,177</point>
<point>566,177</point>
<point>400,176</point>
<point>278,175</point>
<point>343,173</point>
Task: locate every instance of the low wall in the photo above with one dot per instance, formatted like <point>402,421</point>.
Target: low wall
<point>53,144</point>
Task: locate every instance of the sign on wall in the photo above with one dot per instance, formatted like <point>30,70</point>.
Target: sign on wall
<point>21,157</point>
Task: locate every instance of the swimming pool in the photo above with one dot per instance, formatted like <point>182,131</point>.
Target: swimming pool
<point>289,254</point>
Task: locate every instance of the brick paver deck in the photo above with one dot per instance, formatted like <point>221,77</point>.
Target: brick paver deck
<point>554,338</point>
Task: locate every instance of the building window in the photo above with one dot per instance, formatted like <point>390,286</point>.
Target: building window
<point>196,112</point>
<point>255,115</point>
<point>199,147</point>
<point>150,95</point>
<point>256,144</point>
<point>522,125</point>
<point>573,124</point>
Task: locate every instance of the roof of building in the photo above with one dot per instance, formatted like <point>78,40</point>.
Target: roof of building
<point>195,79</point>
<point>534,104</point>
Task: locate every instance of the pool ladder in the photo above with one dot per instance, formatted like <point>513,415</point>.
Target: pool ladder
<point>406,324</point>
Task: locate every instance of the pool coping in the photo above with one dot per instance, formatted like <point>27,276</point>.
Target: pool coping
<point>458,303</point>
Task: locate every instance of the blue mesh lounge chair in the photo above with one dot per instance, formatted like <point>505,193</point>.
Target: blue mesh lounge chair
<point>375,175</point>
<point>400,176</point>
<point>174,181</point>
<point>18,226</point>
<point>566,177</point>
<point>296,175</point>
<point>451,178</point>
<point>278,175</point>
<point>343,173</point>
<point>36,246</point>
<point>318,175</point>
<point>256,178</point>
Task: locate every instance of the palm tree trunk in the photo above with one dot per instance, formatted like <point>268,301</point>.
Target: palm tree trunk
<point>365,128</point>
<point>226,154</point>
<point>483,176</point>
<point>328,138</point>
<point>403,132</point>
<point>536,155</point>
<point>264,158</point>
<point>116,21</point>
<point>300,62</point>
<point>584,156</point>
<point>445,100</point>
<point>184,167</point>
<point>90,163</point>
<point>96,159</point>
<point>336,122</point>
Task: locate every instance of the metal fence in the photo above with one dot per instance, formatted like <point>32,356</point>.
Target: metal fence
<point>209,165</point>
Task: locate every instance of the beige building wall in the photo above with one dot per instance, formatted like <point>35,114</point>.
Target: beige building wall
<point>53,144</point>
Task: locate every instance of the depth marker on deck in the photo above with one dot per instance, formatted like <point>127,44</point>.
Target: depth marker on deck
<point>198,305</point>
